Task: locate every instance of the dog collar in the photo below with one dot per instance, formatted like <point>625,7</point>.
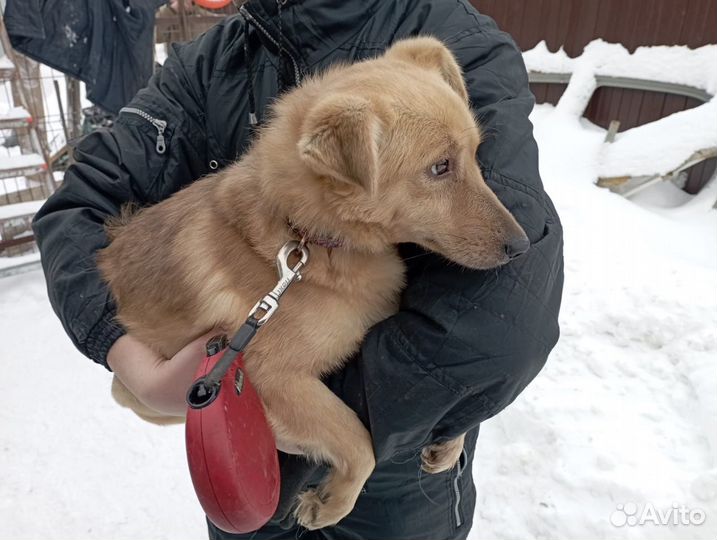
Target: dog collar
<point>328,242</point>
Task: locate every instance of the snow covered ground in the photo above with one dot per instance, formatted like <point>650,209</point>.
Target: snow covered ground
<point>624,413</point>
<point>626,409</point>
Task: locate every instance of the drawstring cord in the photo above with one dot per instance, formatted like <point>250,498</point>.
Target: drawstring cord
<point>282,56</point>
<point>253,121</point>
<point>280,77</point>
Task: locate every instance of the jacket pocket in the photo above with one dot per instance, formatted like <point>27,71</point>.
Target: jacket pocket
<point>159,124</point>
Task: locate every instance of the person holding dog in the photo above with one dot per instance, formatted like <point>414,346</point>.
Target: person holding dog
<point>464,343</point>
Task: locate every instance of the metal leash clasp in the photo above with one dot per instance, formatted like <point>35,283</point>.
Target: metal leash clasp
<point>265,308</point>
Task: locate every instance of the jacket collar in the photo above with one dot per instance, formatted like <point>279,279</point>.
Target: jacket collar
<point>312,29</point>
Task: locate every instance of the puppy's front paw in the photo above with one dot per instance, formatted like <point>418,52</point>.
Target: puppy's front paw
<point>440,457</point>
<point>316,510</point>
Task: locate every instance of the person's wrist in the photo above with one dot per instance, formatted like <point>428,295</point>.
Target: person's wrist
<point>127,349</point>
<point>135,365</point>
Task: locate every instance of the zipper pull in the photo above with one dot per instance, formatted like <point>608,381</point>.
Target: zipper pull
<point>161,125</point>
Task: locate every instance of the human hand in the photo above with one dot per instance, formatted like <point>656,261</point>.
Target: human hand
<point>159,383</point>
<point>162,384</point>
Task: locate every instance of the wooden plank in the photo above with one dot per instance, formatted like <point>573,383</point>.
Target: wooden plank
<point>614,20</point>
<point>675,17</point>
<point>650,107</point>
<point>5,244</point>
<point>74,108</point>
<point>634,104</point>
<point>654,21</point>
<point>694,178</point>
<point>15,123</point>
<point>709,32</point>
<point>573,44</point>
<point>585,28</point>
<point>612,131</point>
<point>694,23</point>
<point>634,14</point>
<point>533,20</point>
<point>573,23</point>
<point>598,109</point>
<point>555,91</point>
<point>602,19</point>
<point>513,20</point>
<point>613,99</point>
<point>539,90</point>
<point>551,30</point>
<point>168,28</point>
<point>6,72</point>
<point>673,104</point>
<point>699,175</point>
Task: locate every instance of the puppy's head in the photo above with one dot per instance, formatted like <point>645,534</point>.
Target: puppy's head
<point>386,153</point>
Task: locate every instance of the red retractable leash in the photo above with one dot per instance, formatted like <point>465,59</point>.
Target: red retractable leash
<point>230,447</point>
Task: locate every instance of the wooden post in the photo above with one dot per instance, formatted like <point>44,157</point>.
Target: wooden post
<point>183,21</point>
<point>612,130</point>
<point>74,108</point>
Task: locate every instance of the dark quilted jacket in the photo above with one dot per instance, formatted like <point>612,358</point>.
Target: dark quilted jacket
<point>464,344</point>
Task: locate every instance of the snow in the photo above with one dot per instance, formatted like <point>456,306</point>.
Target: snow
<point>20,161</point>
<point>160,53</point>
<point>690,67</point>
<point>655,148</point>
<point>16,113</point>
<point>7,263</point>
<point>672,140</point>
<point>20,209</point>
<point>624,412</point>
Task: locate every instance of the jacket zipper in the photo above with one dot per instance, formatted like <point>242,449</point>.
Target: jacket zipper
<point>258,25</point>
<point>457,488</point>
<point>160,125</point>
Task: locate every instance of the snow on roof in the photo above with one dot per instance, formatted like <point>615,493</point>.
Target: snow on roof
<point>654,148</point>
<point>674,64</point>
<point>661,146</point>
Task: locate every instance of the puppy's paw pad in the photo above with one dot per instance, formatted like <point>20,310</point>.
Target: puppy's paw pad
<point>437,458</point>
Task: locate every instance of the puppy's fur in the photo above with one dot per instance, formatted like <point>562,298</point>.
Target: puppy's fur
<point>356,154</point>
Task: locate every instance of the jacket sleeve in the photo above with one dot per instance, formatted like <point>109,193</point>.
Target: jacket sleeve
<point>117,166</point>
<point>465,343</point>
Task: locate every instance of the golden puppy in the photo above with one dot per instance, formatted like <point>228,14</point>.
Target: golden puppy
<point>369,156</point>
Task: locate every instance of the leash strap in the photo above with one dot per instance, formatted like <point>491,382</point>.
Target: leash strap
<point>237,345</point>
<point>206,389</point>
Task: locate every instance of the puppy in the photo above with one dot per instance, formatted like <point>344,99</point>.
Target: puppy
<point>369,156</point>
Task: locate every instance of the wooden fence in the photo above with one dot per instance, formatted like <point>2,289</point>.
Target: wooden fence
<point>572,24</point>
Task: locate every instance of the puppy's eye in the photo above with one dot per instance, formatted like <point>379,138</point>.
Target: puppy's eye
<point>440,168</point>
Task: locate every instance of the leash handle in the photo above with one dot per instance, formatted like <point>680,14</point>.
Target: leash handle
<point>206,389</point>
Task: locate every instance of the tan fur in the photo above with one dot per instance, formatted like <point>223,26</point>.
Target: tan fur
<point>346,155</point>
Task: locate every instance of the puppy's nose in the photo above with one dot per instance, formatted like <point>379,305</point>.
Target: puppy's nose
<point>517,246</point>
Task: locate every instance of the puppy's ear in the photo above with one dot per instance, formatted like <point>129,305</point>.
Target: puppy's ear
<point>340,139</point>
<point>430,53</point>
